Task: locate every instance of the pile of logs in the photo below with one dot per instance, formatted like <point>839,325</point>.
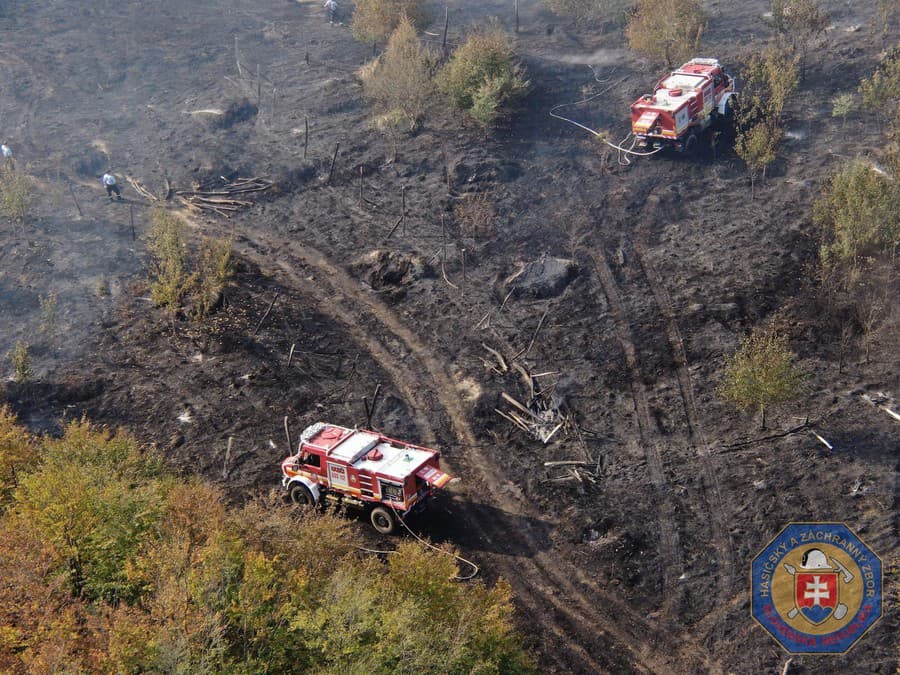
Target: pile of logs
<point>227,196</point>
<point>541,419</point>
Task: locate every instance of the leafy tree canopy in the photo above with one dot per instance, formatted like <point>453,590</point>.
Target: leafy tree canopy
<point>110,563</point>
<point>482,76</point>
<point>762,372</point>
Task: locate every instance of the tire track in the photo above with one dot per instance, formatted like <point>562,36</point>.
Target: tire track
<point>670,554</point>
<point>712,491</point>
<point>603,619</point>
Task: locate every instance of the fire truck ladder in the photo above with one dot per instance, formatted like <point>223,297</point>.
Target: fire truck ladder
<point>365,485</point>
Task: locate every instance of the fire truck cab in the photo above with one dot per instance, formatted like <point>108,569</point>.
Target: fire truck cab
<point>387,477</point>
<point>684,104</point>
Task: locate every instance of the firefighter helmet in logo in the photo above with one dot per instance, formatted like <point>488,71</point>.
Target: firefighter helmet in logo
<point>816,588</point>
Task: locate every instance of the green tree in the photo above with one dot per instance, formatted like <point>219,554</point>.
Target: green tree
<point>172,283</point>
<point>48,311</point>
<point>667,31</point>
<point>757,146</point>
<point>762,373</point>
<point>858,216</point>
<point>398,83</point>
<point>108,563</point>
<point>94,498</point>
<point>770,79</point>
<point>18,452</point>
<point>799,22</point>
<point>375,20</point>
<point>483,76</point>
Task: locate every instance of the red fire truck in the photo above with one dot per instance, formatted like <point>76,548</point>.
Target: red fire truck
<point>684,103</point>
<point>387,477</point>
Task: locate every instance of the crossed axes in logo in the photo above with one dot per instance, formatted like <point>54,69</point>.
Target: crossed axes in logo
<point>841,610</point>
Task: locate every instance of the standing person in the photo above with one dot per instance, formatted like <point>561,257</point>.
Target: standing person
<point>331,6</point>
<point>109,182</point>
<point>6,152</point>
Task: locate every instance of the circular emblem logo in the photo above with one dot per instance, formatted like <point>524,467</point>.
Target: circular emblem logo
<point>816,588</point>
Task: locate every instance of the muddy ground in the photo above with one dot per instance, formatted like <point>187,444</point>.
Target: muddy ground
<point>641,564</point>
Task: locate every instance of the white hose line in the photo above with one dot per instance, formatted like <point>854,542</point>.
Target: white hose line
<point>624,161</point>
<point>475,568</point>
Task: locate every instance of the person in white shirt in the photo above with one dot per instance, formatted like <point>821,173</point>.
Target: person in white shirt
<point>331,6</point>
<point>109,182</point>
<point>5,151</point>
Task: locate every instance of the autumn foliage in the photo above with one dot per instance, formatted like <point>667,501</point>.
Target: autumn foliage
<point>110,563</point>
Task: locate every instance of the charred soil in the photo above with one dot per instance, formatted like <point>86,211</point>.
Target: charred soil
<point>353,271</point>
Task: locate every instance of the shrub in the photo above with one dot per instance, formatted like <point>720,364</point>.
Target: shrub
<point>172,284</point>
<point>761,373</point>
<point>376,19</point>
<point>101,288</point>
<point>48,311</point>
<point>667,31</point>
<point>475,215</point>
<point>590,10</point>
<point>482,76</point>
<point>757,146</point>
<point>842,105</point>
<point>21,361</point>
<point>399,83</point>
<point>216,268</point>
<point>169,278</point>
<point>15,193</point>
<point>858,215</point>
<point>881,91</point>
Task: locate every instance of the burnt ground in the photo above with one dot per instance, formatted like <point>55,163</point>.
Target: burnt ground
<point>643,569</point>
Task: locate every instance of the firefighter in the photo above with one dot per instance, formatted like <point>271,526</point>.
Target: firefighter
<point>109,182</point>
<point>331,6</point>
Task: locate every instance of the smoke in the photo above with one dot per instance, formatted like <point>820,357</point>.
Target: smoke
<point>601,58</point>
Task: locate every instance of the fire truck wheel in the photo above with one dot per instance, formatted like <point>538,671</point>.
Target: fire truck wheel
<point>301,496</point>
<point>729,111</point>
<point>383,520</point>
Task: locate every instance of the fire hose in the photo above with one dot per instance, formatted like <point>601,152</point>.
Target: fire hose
<point>623,152</point>
<point>458,577</point>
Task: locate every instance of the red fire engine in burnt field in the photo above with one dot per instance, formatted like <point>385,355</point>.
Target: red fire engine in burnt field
<point>684,104</point>
<point>387,477</point>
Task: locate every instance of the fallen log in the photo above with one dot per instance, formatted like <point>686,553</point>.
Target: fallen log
<point>500,360</point>
<point>141,190</point>
<point>509,399</point>
<point>568,462</point>
<point>519,424</point>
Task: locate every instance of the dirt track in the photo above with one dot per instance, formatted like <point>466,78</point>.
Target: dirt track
<point>644,570</point>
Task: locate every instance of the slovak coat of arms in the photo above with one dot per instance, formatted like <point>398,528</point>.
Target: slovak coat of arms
<point>816,588</point>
